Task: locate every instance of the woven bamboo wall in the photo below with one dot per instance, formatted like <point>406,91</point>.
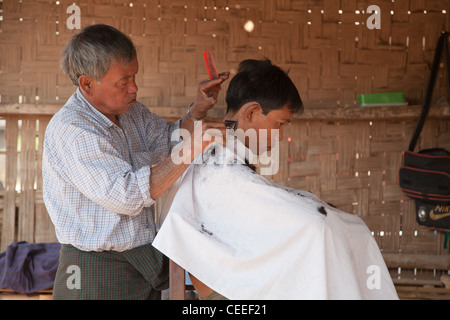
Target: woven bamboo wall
<point>353,164</point>
<point>332,56</point>
<point>23,213</point>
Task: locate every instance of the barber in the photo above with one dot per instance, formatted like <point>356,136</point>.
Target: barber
<point>106,159</point>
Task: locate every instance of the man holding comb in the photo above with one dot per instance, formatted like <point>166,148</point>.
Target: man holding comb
<point>106,159</point>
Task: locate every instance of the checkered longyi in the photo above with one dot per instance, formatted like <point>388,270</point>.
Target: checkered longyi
<point>139,273</point>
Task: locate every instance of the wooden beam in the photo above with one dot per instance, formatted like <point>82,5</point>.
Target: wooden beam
<point>372,113</point>
<point>419,261</point>
<point>29,108</point>
<point>218,112</point>
<point>9,233</point>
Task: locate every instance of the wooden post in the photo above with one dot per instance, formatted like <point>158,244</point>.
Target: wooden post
<point>177,282</point>
<point>9,210</point>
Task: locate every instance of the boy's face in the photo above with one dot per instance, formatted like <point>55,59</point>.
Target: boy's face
<point>268,128</point>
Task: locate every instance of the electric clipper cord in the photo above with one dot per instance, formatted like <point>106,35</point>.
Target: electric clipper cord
<point>231,125</point>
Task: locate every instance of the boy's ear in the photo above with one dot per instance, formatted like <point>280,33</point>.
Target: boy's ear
<point>251,110</point>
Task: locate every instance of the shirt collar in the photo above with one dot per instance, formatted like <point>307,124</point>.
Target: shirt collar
<point>96,114</point>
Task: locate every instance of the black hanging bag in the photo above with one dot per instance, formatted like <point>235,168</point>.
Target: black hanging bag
<point>425,175</point>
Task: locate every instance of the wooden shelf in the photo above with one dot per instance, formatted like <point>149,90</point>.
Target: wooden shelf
<point>371,113</point>
<point>335,113</point>
<point>421,261</point>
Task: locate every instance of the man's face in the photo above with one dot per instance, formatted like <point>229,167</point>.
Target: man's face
<point>116,92</point>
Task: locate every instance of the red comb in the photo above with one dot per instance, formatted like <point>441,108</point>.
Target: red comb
<point>210,65</point>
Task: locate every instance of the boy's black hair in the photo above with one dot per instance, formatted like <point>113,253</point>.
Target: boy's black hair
<point>265,83</point>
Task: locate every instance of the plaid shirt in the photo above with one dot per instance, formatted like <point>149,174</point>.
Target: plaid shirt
<point>96,175</point>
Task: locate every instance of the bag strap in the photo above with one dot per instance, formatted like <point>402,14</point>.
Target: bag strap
<point>441,45</point>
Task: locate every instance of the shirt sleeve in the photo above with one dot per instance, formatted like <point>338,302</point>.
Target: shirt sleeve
<point>162,136</point>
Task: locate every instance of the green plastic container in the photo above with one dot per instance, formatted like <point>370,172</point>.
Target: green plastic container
<point>382,99</point>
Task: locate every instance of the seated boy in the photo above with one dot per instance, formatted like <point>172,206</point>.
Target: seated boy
<point>240,236</point>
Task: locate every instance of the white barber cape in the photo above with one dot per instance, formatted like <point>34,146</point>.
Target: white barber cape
<point>248,238</point>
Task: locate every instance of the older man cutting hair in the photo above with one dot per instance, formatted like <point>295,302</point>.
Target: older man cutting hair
<point>106,159</point>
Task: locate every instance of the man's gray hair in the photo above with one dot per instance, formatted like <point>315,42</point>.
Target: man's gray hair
<point>93,49</point>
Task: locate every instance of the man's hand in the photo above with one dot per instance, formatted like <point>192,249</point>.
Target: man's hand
<point>205,132</point>
<point>207,94</point>
<point>201,135</point>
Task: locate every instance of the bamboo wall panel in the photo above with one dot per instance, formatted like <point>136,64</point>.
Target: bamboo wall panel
<point>350,161</point>
<point>331,53</point>
<point>354,166</point>
<point>24,216</point>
